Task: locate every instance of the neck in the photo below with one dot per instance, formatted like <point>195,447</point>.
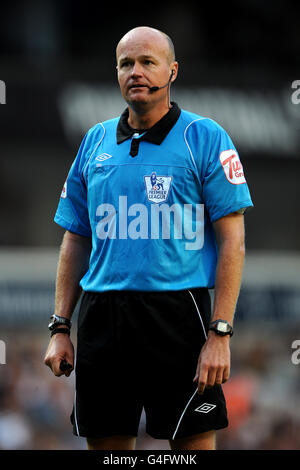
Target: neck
<point>146,118</point>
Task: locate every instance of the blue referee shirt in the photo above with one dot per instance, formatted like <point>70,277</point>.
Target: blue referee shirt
<point>148,200</point>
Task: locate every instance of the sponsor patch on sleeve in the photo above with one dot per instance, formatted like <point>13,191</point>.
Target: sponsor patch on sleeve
<point>232,166</point>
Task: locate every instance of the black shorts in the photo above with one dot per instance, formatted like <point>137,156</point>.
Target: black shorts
<point>140,350</point>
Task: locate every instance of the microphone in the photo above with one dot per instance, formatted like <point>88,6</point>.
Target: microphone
<point>156,88</point>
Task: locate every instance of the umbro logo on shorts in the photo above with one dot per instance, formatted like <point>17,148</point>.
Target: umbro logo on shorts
<point>205,408</point>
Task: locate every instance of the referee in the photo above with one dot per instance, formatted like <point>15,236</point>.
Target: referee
<point>153,211</point>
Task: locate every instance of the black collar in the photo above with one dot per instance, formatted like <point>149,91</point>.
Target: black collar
<point>156,133</point>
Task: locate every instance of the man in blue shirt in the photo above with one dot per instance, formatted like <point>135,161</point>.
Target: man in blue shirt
<point>153,210</point>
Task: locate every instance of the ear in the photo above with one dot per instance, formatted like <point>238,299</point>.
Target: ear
<point>174,71</point>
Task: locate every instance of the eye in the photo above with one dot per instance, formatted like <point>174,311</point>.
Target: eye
<point>125,63</point>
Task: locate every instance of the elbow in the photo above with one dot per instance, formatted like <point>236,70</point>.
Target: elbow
<point>234,246</point>
<point>242,249</point>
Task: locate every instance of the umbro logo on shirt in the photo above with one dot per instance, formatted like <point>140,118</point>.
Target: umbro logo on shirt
<point>102,158</point>
<point>205,408</point>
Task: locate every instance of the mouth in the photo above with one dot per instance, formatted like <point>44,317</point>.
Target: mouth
<point>137,85</point>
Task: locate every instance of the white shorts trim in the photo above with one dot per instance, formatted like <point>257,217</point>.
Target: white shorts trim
<point>187,405</point>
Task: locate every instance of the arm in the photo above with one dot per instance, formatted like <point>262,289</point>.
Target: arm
<point>72,265</point>
<point>214,360</point>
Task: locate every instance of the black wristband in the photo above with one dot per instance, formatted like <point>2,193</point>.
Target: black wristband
<point>57,321</point>
<point>60,330</point>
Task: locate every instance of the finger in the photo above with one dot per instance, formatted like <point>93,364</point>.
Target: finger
<point>202,381</point>
<point>219,376</point>
<point>226,374</point>
<point>48,361</point>
<point>196,377</point>
<point>211,377</point>
<point>66,367</point>
<point>55,366</point>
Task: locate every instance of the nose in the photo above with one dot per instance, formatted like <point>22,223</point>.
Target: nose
<point>136,70</point>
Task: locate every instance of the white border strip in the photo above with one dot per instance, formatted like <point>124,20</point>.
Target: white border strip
<point>187,405</point>
<point>95,148</point>
<point>191,153</point>
<point>75,416</point>
<point>198,314</point>
<point>262,270</point>
<point>180,419</point>
<point>75,397</point>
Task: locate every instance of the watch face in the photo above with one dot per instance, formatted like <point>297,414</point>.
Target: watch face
<point>56,320</point>
<point>223,327</point>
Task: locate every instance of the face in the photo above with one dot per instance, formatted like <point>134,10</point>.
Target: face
<point>143,62</point>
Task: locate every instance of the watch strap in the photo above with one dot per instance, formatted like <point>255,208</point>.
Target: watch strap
<point>60,330</point>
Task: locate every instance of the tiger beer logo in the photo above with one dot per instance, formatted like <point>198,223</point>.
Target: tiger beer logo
<point>64,191</point>
<point>232,167</point>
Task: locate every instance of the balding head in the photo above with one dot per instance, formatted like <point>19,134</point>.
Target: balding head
<point>145,60</point>
<point>148,35</point>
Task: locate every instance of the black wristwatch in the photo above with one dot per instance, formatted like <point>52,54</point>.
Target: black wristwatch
<point>56,321</point>
<point>221,327</point>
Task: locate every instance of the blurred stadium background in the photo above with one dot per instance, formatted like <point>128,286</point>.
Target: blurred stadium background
<point>236,65</point>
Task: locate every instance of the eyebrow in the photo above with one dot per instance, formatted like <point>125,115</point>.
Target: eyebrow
<point>128,58</point>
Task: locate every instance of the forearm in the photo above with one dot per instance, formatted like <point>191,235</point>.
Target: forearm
<point>214,360</point>
<point>228,277</point>
<point>72,265</point>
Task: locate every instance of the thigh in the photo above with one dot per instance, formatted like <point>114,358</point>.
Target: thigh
<point>202,441</point>
<point>108,399</point>
<point>112,443</point>
<point>177,330</point>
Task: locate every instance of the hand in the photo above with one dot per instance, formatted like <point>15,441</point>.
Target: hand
<point>60,348</point>
<point>213,366</point>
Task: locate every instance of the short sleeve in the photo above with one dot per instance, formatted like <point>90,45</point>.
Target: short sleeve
<point>225,189</point>
<point>72,211</point>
